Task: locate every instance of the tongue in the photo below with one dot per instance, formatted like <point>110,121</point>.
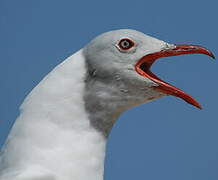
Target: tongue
<point>144,64</point>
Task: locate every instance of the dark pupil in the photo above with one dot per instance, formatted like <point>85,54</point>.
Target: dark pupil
<point>125,44</point>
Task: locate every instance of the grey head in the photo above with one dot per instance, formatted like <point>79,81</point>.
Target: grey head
<point>113,83</point>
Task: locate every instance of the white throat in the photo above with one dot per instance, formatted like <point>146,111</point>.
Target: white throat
<point>52,139</point>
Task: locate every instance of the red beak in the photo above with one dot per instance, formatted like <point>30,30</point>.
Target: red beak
<point>144,64</point>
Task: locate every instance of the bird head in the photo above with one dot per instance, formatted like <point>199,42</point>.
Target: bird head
<point>123,58</point>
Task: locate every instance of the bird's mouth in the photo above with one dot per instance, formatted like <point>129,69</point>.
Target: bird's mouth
<point>143,65</point>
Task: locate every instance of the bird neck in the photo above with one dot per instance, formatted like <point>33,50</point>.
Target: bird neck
<point>53,134</point>
<point>103,105</point>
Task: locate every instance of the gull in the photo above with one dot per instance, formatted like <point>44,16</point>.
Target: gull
<point>64,123</point>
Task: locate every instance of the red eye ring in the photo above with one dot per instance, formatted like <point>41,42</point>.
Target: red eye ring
<point>126,44</point>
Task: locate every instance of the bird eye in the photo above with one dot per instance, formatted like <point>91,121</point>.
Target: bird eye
<point>125,44</point>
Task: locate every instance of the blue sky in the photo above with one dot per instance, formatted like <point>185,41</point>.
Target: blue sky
<point>165,139</point>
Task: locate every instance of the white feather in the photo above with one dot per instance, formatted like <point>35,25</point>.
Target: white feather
<point>52,138</point>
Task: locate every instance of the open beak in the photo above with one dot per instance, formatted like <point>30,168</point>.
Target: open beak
<point>143,68</point>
